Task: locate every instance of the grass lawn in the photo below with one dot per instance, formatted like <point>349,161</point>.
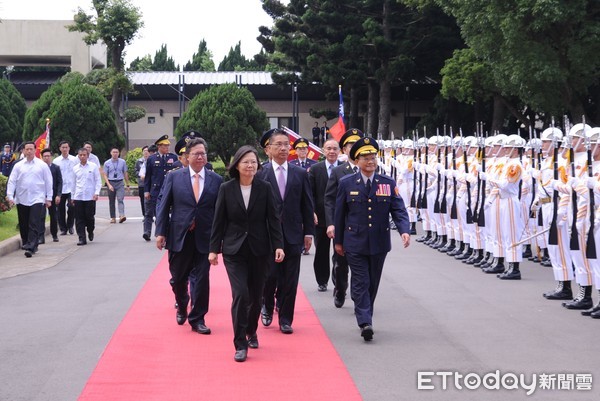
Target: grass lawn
<point>8,224</point>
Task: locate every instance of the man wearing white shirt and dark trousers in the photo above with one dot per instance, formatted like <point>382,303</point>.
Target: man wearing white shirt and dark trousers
<point>30,187</point>
<point>65,161</point>
<point>84,191</point>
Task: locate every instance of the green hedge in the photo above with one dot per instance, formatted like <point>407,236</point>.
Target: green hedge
<point>3,200</point>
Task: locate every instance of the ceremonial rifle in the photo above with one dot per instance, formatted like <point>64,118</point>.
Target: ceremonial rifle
<point>574,243</point>
<point>533,181</point>
<point>481,214</point>
<point>413,198</point>
<point>436,206</point>
<point>553,234</point>
<point>464,148</point>
<point>443,203</point>
<point>590,249</point>
<point>453,211</point>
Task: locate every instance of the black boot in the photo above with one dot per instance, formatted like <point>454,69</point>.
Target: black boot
<point>562,291</point>
<point>476,257</point>
<point>487,257</point>
<point>465,254</point>
<point>440,242</point>
<point>545,258</point>
<point>433,238</point>
<point>458,249</point>
<point>583,299</point>
<point>424,237</point>
<point>594,311</point>
<point>448,246</point>
<point>512,273</point>
<point>413,228</point>
<point>526,251</point>
<point>497,267</point>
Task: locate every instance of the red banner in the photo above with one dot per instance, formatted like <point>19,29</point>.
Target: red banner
<point>43,141</point>
<point>314,152</point>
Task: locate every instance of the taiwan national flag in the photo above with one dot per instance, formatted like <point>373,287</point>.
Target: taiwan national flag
<point>338,129</point>
<point>43,141</point>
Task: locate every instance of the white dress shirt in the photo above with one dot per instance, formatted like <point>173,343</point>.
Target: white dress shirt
<point>30,182</point>
<point>86,183</point>
<point>66,170</point>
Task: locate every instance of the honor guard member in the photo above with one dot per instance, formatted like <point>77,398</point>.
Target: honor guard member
<point>157,166</point>
<point>594,184</point>
<point>364,203</point>
<point>301,148</point>
<point>7,159</point>
<point>339,270</point>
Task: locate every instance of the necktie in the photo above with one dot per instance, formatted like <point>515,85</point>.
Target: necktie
<point>355,169</point>
<point>302,164</point>
<point>281,181</point>
<point>329,170</point>
<point>196,186</point>
<point>368,186</point>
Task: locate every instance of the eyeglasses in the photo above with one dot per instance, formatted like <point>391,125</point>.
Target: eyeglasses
<point>249,162</point>
<point>280,144</point>
<point>198,155</point>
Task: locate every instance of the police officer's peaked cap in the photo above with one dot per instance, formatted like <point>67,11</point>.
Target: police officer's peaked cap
<point>264,139</point>
<point>364,146</point>
<point>192,134</point>
<point>350,136</point>
<point>163,140</point>
<point>301,143</point>
<point>7,145</point>
<point>185,138</point>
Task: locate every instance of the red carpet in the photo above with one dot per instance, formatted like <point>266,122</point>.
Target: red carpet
<point>150,357</point>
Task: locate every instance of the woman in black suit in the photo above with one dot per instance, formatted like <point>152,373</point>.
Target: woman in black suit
<point>246,229</point>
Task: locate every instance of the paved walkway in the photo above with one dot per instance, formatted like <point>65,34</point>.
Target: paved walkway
<point>433,314</point>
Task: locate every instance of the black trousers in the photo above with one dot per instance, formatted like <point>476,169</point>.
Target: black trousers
<point>247,274</point>
<point>66,216</point>
<point>53,212</point>
<point>149,214</point>
<point>321,263</point>
<point>183,264</point>
<point>283,278</point>
<point>85,212</point>
<point>142,200</point>
<point>339,273</point>
<point>30,225</point>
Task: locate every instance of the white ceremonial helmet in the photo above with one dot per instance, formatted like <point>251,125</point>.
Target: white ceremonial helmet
<point>499,139</point>
<point>457,141</point>
<point>577,130</point>
<point>398,143</point>
<point>550,133</point>
<point>593,134</point>
<point>470,140</point>
<point>490,141</point>
<point>408,143</point>
<point>387,144</point>
<point>514,141</point>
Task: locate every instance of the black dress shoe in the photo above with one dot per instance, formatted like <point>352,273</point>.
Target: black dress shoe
<point>28,253</point>
<point>181,316</point>
<point>91,236</point>
<point>322,288</point>
<point>41,241</point>
<point>265,317</point>
<point>71,231</point>
<point>55,239</point>
<point>63,232</point>
<point>82,242</point>
<point>589,312</point>
<point>366,332</point>
<point>240,355</point>
<point>339,298</point>
<point>200,328</point>
<point>253,341</point>
<point>146,237</point>
<point>286,329</point>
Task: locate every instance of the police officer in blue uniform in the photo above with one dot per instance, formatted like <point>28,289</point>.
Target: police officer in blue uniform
<point>301,148</point>
<point>364,203</point>
<point>7,159</point>
<point>157,166</point>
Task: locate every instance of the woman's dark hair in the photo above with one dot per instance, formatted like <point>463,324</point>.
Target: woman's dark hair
<point>241,152</point>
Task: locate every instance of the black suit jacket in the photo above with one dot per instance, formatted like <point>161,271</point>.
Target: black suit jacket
<point>233,223</point>
<point>56,181</point>
<point>317,175</point>
<point>177,209</point>
<point>331,191</point>
<point>297,208</point>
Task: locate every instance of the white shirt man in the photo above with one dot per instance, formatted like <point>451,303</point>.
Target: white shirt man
<point>65,161</point>
<point>84,191</point>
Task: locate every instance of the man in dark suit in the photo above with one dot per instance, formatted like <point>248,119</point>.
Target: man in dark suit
<point>301,148</point>
<point>316,134</point>
<point>295,205</point>
<point>184,218</point>
<point>364,203</point>
<point>56,192</point>
<point>157,166</point>
<point>318,176</point>
<point>340,265</point>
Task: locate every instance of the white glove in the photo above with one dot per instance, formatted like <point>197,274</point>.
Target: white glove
<point>483,176</point>
<point>417,165</point>
<point>574,182</point>
<point>560,220</point>
<point>591,182</point>
<point>438,167</point>
<point>479,168</point>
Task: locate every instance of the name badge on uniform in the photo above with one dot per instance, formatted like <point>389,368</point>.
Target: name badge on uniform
<point>383,190</point>
<point>170,161</point>
<point>354,193</point>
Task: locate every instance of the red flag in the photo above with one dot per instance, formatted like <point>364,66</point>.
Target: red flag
<point>43,141</point>
<point>339,128</point>
<point>314,152</point>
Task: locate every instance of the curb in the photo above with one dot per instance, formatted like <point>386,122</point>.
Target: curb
<point>13,244</point>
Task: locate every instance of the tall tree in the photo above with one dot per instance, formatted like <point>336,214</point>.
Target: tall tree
<point>141,64</point>
<point>12,112</point>
<point>78,112</point>
<point>236,61</point>
<point>227,117</point>
<point>201,60</point>
<point>116,23</point>
<point>163,62</point>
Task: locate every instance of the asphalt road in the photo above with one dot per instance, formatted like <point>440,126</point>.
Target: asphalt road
<point>433,314</point>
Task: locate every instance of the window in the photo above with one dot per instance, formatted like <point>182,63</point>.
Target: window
<point>151,120</point>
